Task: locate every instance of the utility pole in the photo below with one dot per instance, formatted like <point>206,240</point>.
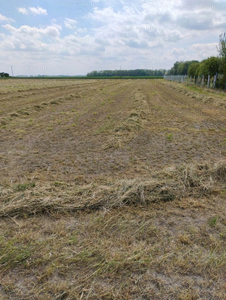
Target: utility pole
<point>12,70</point>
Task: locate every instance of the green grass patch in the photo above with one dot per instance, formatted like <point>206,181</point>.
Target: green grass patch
<point>24,187</point>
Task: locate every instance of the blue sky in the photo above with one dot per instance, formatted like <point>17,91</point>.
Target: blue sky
<point>74,37</point>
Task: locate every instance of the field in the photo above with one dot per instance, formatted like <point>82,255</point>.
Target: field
<point>112,189</point>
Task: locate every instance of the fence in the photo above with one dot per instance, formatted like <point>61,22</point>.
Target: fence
<point>215,82</point>
<point>177,78</point>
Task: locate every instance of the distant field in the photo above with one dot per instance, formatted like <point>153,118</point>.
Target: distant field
<point>111,189</point>
<point>90,77</point>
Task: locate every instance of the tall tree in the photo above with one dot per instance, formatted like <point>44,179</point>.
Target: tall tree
<point>222,54</point>
<point>209,66</point>
<point>192,70</point>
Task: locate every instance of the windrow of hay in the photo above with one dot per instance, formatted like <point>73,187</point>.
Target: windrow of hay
<point>31,108</point>
<point>202,94</point>
<point>133,123</point>
<point>167,185</point>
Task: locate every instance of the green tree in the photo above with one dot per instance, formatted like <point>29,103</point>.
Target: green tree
<point>209,66</point>
<point>222,55</point>
<point>193,68</point>
<point>181,68</point>
<point>174,69</point>
<point>3,74</point>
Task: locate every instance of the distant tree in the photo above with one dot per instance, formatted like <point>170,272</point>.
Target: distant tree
<point>3,74</point>
<point>209,66</point>
<point>136,72</point>
<point>174,69</point>
<point>222,55</point>
<point>183,68</point>
<point>193,68</point>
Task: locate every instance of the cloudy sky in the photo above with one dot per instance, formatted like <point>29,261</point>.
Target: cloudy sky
<point>74,37</point>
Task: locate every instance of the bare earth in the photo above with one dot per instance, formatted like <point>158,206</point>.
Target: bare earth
<point>111,189</point>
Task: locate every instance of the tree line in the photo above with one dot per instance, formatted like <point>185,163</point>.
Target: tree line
<point>137,72</point>
<point>3,74</point>
<point>210,66</point>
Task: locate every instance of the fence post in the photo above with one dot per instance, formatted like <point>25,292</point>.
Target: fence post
<point>214,81</point>
<point>208,81</point>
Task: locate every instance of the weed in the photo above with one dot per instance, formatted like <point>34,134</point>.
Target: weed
<point>73,240</point>
<point>170,137</point>
<point>212,222</point>
<point>24,187</point>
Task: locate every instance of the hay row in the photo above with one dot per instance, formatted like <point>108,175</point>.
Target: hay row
<point>173,183</point>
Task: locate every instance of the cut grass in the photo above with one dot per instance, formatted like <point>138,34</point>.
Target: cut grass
<point>168,185</point>
<point>136,211</point>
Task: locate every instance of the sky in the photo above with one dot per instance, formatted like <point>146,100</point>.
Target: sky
<point>74,37</point>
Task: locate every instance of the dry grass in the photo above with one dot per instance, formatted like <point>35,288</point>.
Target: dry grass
<point>167,185</point>
<point>111,190</point>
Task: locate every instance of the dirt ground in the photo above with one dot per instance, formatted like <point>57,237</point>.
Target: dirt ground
<point>145,157</point>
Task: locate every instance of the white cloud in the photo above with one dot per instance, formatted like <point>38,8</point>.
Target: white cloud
<point>23,10</point>
<point>5,19</point>
<point>70,23</point>
<point>33,10</point>
<point>38,11</point>
<point>30,38</point>
<point>177,51</point>
<point>141,34</point>
<point>206,49</point>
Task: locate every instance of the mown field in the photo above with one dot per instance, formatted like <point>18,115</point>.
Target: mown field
<point>111,189</point>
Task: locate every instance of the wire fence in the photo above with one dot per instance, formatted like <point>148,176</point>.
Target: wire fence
<point>215,82</point>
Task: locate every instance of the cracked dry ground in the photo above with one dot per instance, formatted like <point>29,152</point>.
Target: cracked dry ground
<point>61,134</point>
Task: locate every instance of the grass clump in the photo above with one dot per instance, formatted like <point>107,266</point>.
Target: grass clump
<point>12,253</point>
<point>170,137</point>
<point>212,222</point>
<point>24,187</point>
